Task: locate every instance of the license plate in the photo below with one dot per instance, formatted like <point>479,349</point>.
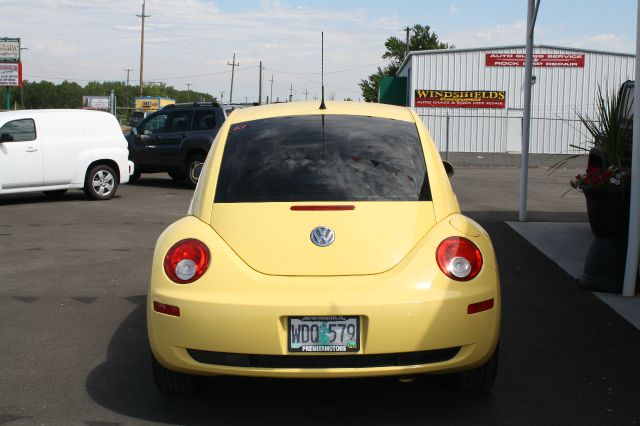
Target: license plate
<point>324,334</point>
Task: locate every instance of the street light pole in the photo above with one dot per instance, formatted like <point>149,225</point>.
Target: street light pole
<point>532,13</point>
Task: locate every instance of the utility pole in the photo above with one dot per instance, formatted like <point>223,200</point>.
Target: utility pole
<point>21,83</point>
<point>291,93</point>
<point>221,96</point>
<point>188,90</point>
<point>142,45</point>
<point>271,94</point>
<point>407,43</point>
<point>260,85</point>
<point>233,67</point>
<point>128,70</point>
<point>306,93</point>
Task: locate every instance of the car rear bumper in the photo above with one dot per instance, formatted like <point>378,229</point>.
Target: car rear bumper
<point>430,332</point>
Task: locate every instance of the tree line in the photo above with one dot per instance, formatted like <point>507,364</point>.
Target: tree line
<point>45,94</point>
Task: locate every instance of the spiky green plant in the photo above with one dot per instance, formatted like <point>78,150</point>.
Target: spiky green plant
<point>608,130</point>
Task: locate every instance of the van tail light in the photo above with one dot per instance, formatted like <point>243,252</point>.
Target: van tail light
<point>459,258</point>
<point>186,261</point>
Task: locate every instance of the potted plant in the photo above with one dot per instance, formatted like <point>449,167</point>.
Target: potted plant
<point>607,194</point>
<point>606,182</point>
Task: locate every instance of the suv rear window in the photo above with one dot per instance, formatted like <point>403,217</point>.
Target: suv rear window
<point>323,158</point>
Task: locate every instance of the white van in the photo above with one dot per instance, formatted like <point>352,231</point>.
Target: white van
<point>56,150</point>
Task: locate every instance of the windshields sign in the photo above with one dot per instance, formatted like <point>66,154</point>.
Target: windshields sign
<point>460,98</point>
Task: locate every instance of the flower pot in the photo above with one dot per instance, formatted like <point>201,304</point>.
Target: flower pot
<point>608,211</point>
<point>604,265</point>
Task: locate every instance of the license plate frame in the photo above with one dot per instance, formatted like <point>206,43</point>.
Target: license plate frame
<point>333,334</point>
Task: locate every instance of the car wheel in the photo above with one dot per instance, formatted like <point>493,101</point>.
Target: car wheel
<point>171,382</point>
<point>194,167</point>
<point>177,176</point>
<point>479,379</point>
<point>101,182</point>
<point>55,194</point>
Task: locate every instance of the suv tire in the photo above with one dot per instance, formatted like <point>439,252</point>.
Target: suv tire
<point>194,167</point>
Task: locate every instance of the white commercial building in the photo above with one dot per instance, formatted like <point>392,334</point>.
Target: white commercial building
<point>472,99</point>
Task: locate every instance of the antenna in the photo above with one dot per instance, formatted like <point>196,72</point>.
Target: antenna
<point>322,105</point>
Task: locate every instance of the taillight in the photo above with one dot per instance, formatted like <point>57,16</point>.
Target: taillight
<point>459,258</point>
<point>186,261</point>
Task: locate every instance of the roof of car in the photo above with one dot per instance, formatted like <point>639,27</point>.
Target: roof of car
<point>332,107</point>
<point>35,112</point>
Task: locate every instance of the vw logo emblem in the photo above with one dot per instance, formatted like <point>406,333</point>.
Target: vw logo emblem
<point>322,236</point>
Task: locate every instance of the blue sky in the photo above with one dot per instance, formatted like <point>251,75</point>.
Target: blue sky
<point>191,41</point>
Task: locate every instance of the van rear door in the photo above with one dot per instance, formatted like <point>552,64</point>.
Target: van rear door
<point>20,154</point>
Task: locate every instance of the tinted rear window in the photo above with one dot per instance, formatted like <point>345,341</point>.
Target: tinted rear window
<point>323,158</point>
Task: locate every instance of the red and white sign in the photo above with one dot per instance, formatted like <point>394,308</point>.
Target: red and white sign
<point>11,74</point>
<point>460,98</point>
<point>557,60</point>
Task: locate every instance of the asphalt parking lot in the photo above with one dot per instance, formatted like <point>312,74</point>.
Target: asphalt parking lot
<point>72,291</point>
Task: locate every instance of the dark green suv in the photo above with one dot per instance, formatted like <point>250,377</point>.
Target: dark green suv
<point>175,140</point>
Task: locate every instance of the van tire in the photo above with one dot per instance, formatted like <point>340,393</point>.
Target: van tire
<point>101,182</point>
<point>194,167</point>
<point>171,382</point>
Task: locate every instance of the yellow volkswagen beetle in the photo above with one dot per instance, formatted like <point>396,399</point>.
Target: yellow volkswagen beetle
<point>323,243</point>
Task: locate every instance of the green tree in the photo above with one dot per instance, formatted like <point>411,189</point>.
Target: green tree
<point>421,38</point>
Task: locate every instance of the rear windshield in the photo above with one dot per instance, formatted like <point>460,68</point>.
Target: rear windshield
<point>323,158</point>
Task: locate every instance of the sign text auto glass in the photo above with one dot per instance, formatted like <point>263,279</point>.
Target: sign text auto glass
<point>460,98</point>
<point>557,60</point>
<point>9,49</point>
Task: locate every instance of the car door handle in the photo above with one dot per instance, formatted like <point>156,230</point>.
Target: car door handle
<point>31,149</point>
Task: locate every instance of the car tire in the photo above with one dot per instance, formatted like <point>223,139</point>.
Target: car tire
<point>194,167</point>
<point>171,382</point>
<point>55,193</point>
<point>101,182</point>
<point>177,175</point>
<point>479,379</point>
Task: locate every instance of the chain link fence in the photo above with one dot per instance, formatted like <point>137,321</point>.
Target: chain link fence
<point>496,133</point>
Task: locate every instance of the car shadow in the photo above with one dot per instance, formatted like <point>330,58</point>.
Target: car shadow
<point>160,180</point>
<point>38,197</point>
<point>124,384</point>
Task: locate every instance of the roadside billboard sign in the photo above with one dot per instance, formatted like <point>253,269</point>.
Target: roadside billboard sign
<point>460,98</point>
<point>9,49</point>
<point>11,74</point>
<point>557,60</point>
<point>97,102</point>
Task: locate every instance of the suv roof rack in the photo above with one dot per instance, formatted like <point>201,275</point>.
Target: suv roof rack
<point>192,105</point>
